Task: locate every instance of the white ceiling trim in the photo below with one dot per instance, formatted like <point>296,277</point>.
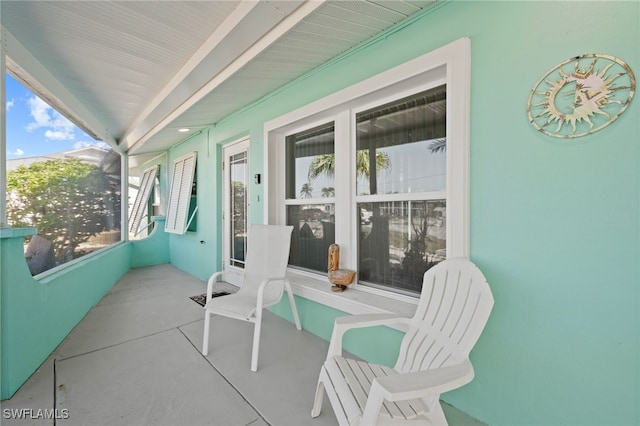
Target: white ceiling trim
<point>286,24</point>
<point>137,128</point>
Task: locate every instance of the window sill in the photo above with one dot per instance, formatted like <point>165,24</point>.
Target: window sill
<point>351,301</point>
<point>49,275</point>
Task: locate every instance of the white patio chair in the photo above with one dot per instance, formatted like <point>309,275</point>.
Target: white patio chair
<point>263,283</point>
<point>434,354</point>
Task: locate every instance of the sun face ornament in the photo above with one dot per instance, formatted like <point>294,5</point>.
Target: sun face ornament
<point>581,95</point>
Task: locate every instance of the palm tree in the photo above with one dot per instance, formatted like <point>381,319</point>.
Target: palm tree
<point>306,190</point>
<point>363,163</point>
<point>328,192</point>
<point>438,145</point>
<point>322,164</point>
<point>325,164</point>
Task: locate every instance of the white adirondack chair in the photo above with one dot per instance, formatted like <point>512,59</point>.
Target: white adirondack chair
<point>263,284</point>
<point>434,354</point>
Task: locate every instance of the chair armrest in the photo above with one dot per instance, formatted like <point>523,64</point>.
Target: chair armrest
<point>261,287</point>
<point>419,384</point>
<point>348,322</point>
<point>213,279</point>
<point>424,383</point>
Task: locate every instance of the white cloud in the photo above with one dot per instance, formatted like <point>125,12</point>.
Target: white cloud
<point>17,153</point>
<point>58,127</point>
<point>58,135</point>
<point>10,104</point>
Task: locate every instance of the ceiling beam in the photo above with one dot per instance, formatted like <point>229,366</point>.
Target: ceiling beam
<point>139,126</point>
<point>248,36</point>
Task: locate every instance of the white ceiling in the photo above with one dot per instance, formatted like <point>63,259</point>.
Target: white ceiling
<point>133,72</point>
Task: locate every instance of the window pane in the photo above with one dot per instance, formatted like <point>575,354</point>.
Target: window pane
<point>399,241</point>
<point>401,146</point>
<point>310,163</point>
<point>313,233</point>
<point>238,172</point>
<point>73,201</point>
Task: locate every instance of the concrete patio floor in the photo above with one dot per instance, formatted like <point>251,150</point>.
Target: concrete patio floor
<point>135,360</point>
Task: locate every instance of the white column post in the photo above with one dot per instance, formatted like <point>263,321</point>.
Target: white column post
<point>124,196</point>
<point>3,130</point>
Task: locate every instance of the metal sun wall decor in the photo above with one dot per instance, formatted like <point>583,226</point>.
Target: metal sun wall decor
<point>581,95</point>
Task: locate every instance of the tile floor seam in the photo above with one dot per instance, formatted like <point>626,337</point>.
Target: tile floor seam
<point>228,381</point>
<point>121,343</point>
<point>55,383</point>
<point>189,323</point>
<point>250,423</point>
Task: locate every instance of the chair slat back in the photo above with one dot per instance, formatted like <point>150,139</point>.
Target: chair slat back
<point>267,257</point>
<point>454,306</point>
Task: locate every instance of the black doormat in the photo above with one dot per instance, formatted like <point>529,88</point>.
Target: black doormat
<point>202,298</point>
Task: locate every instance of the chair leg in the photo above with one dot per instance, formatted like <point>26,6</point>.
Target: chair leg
<point>317,400</point>
<point>373,405</point>
<point>256,341</point>
<point>436,415</point>
<point>292,302</point>
<point>205,338</point>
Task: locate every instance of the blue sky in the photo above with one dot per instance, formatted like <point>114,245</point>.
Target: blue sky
<point>34,128</point>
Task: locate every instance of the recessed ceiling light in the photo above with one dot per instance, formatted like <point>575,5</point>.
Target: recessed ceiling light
<point>184,130</point>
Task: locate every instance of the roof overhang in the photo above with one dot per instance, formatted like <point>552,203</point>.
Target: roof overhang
<point>133,73</point>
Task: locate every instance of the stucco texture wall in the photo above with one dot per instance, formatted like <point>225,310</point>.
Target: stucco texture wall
<point>555,224</point>
<point>36,315</point>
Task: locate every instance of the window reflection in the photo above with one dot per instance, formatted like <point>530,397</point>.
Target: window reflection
<point>310,171</point>
<point>313,233</point>
<point>401,145</point>
<point>399,241</point>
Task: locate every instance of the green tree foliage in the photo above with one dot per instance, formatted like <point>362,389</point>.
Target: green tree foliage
<point>67,200</point>
<point>325,164</point>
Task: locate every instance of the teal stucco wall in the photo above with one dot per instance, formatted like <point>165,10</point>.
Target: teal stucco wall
<point>198,252</point>
<point>555,225</point>
<point>37,314</point>
<point>152,250</point>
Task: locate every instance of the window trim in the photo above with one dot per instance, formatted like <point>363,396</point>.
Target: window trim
<point>180,194</point>
<point>448,65</point>
<point>142,198</point>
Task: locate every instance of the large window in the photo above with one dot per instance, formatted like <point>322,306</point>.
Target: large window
<point>60,181</point>
<point>74,203</point>
<point>380,168</point>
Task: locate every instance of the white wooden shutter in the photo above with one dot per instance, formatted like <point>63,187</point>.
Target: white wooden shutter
<point>180,194</point>
<point>142,198</point>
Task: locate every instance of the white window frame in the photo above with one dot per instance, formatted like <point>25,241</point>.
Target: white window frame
<point>448,65</point>
<point>182,174</point>
<point>138,209</point>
